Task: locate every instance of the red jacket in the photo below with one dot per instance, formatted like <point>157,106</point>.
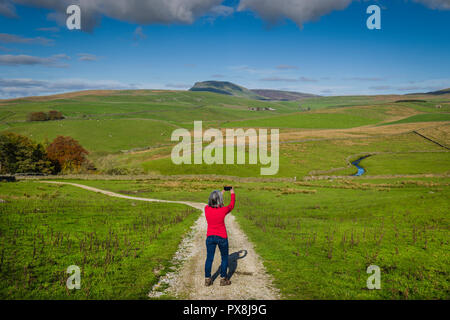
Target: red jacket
<point>216,219</point>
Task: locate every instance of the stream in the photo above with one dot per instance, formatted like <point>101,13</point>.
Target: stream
<point>361,170</point>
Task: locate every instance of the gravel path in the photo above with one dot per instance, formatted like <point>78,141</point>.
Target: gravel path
<point>249,279</point>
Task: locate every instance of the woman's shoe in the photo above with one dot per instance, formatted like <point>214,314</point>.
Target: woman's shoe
<point>208,282</point>
<point>225,282</point>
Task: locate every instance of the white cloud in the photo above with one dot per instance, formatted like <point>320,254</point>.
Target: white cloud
<point>299,11</point>
<point>48,29</point>
<point>134,11</point>
<point>413,86</point>
<point>364,79</point>
<point>286,79</point>
<point>382,87</point>
<point>12,38</point>
<point>13,88</point>
<point>279,79</point>
<point>187,11</point>
<point>302,11</point>
<point>245,69</point>
<point>313,87</point>
<point>222,10</point>
<point>87,57</point>
<point>178,85</point>
<point>306,79</point>
<point>286,67</point>
<point>436,4</point>
<point>22,59</point>
<point>6,49</point>
<point>7,9</point>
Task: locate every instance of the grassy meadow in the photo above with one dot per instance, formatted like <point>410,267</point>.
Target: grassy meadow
<point>317,238</point>
<point>315,226</point>
<point>120,246</point>
<point>299,159</point>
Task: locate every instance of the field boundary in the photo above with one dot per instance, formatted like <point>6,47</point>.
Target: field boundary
<point>429,139</point>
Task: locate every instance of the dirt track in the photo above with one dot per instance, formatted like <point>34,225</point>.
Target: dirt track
<point>247,273</point>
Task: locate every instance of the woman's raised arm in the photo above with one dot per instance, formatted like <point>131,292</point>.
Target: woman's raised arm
<point>232,201</point>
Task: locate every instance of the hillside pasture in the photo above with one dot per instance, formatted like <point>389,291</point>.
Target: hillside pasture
<point>300,159</point>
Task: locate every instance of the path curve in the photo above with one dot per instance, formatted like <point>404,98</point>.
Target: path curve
<point>249,278</point>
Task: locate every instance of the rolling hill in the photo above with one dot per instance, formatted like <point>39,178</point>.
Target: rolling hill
<point>282,95</point>
<point>439,92</point>
<point>115,126</point>
<point>228,88</point>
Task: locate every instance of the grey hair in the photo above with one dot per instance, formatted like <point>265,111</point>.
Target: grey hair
<point>215,199</point>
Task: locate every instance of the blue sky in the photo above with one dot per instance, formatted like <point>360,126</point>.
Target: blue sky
<point>325,49</point>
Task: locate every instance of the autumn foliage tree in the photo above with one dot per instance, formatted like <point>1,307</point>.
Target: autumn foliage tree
<point>42,116</point>
<point>37,116</point>
<point>67,153</point>
<point>55,115</point>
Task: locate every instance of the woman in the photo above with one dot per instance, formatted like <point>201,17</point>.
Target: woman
<point>215,214</point>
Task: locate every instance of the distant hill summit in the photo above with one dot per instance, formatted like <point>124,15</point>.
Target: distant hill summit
<point>437,93</point>
<point>282,95</point>
<point>224,87</point>
<point>443,91</point>
<point>231,89</point>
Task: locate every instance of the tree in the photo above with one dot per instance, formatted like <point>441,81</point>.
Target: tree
<point>55,115</point>
<point>19,154</point>
<point>37,116</point>
<point>42,116</point>
<point>68,153</point>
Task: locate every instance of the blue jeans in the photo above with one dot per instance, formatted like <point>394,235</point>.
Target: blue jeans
<point>211,243</point>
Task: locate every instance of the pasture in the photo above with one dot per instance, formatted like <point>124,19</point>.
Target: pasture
<point>316,228</point>
<point>317,238</point>
<point>122,247</point>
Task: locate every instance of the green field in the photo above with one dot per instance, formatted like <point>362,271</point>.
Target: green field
<point>312,157</point>
<point>318,238</point>
<point>424,118</point>
<point>407,163</point>
<point>118,244</point>
<point>102,136</point>
<point>307,121</point>
<point>176,107</point>
<point>316,228</point>
<point>318,246</point>
<point>128,120</point>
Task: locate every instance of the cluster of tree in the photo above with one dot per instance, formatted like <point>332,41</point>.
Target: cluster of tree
<point>304,108</point>
<point>42,116</point>
<point>19,154</point>
<point>69,155</point>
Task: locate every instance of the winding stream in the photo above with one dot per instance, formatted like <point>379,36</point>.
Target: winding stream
<point>361,170</point>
